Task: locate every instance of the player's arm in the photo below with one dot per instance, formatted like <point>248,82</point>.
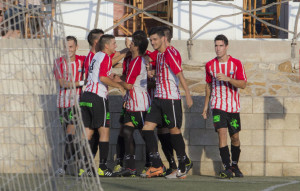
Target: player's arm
<point>119,55</point>
<point>67,84</point>
<point>188,97</point>
<point>236,83</point>
<point>126,85</point>
<point>108,81</point>
<point>207,98</point>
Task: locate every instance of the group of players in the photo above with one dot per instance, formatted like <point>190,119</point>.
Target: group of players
<point>150,85</point>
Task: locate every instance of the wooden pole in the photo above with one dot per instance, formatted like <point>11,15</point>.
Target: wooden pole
<point>97,14</point>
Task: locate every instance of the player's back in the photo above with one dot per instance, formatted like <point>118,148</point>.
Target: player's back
<point>100,66</point>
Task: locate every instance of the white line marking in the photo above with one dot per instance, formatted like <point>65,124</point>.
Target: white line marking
<point>280,185</point>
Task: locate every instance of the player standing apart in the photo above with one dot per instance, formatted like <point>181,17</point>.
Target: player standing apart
<point>67,96</point>
<point>224,75</point>
<point>94,102</point>
<point>166,107</point>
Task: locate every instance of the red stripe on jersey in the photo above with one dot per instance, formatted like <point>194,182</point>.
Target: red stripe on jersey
<point>224,95</point>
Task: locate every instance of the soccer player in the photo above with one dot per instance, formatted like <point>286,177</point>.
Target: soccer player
<point>137,100</point>
<point>224,75</point>
<point>93,38</point>
<point>166,107</point>
<point>94,102</point>
<point>66,98</point>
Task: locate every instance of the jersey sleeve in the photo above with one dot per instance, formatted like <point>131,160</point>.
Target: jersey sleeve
<point>174,61</point>
<point>153,56</point>
<point>240,72</point>
<point>134,70</point>
<point>105,66</point>
<point>207,72</point>
<point>58,68</point>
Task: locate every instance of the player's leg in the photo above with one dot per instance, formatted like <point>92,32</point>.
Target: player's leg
<point>234,127</point>
<point>129,157</point>
<point>103,120</point>
<point>152,119</point>
<point>94,143</point>
<point>172,113</point>
<point>164,137</point>
<point>220,123</point>
<point>120,147</point>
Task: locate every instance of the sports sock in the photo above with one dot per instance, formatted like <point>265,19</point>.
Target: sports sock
<point>94,143</point>
<point>103,147</point>
<point>130,161</point>
<point>120,150</point>
<point>166,145</point>
<point>69,150</point>
<point>225,156</point>
<point>129,147</point>
<point>179,146</point>
<point>235,154</point>
<point>152,147</point>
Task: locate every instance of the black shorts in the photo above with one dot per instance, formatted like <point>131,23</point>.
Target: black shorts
<point>136,117</point>
<point>165,113</point>
<point>94,110</point>
<point>223,119</point>
<point>67,115</point>
<point>122,115</point>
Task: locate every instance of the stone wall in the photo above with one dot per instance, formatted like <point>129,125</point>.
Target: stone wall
<point>270,134</point>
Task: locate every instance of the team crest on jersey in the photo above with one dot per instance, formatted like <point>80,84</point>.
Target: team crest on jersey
<point>231,72</point>
<point>79,70</point>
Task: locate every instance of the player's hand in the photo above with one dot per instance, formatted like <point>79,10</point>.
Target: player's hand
<point>204,114</point>
<point>122,90</point>
<point>117,78</point>
<point>189,101</point>
<point>222,77</point>
<point>127,42</point>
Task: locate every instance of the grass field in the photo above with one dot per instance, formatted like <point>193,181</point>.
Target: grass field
<point>192,183</point>
<point>205,183</point>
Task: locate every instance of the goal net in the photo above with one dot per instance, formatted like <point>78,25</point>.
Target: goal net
<point>32,136</point>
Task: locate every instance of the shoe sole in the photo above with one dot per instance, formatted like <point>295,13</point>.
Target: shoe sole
<point>154,175</point>
<point>182,177</point>
<point>224,176</point>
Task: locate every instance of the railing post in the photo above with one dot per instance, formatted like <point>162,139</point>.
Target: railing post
<point>190,41</point>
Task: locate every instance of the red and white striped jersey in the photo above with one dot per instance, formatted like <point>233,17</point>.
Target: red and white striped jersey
<point>137,98</point>
<point>70,72</point>
<point>168,65</point>
<point>225,96</point>
<point>100,66</point>
<point>87,62</point>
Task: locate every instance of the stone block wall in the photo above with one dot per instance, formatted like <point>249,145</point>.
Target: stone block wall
<point>270,134</point>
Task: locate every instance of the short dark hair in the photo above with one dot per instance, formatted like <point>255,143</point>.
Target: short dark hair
<point>72,38</point>
<point>139,32</point>
<point>158,31</point>
<point>94,34</point>
<point>105,39</point>
<point>223,38</point>
<point>141,42</point>
<point>168,32</point>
